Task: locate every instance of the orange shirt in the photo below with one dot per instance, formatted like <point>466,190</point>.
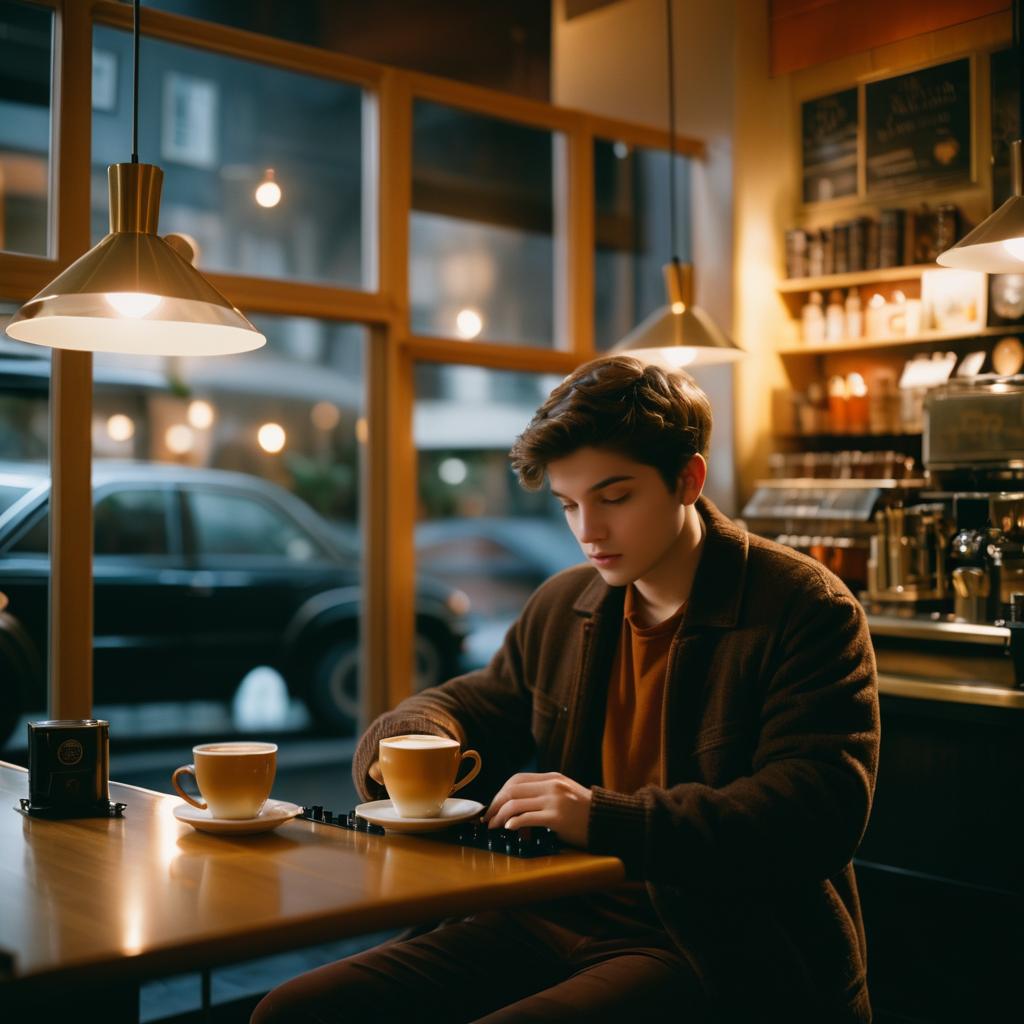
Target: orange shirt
<point>631,748</point>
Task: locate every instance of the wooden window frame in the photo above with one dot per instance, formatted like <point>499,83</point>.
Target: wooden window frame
<point>389,466</point>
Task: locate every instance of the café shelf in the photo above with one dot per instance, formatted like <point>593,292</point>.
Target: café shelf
<point>832,483</point>
<point>868,344</point>
<point>856,278</point>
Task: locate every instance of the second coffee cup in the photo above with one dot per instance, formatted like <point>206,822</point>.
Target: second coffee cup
<point>234,779</point>
<point>419,772</point>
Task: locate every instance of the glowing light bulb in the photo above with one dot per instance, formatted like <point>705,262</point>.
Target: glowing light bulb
<point>268,192</point>
<point>325,415</point>
<point>682,356</point>
<point>179,439</point>
<point>133,304</point>
<point>469,323</point>
<point>271,437</point>
<point>1015,247</point>
<point>452,471</point>
<point>679,308</point>
<point>200,414</point>
<point>120,427</point>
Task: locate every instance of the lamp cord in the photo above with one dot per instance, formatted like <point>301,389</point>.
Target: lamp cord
<point>672,134</point>
<point>135,83</point>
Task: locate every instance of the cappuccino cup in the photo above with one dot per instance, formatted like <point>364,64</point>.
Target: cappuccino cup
<point>419,772</point>
<point>234,779</point>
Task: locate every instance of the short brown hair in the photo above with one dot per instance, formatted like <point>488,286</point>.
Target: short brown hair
<point>654,417</point>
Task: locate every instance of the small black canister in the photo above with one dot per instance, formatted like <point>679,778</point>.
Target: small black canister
<point>69,767</point>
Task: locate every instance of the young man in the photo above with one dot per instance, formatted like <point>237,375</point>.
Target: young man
<point>698,702</point>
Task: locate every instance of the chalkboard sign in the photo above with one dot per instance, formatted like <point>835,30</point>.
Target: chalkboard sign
<point>919,129</point>
<point>830,146</point>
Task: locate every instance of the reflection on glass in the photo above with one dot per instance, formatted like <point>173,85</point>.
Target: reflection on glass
<point>262,167</point>
<point>479,530</point>
<point>25,67</point>
<point>203,575</point>
<point>481,234</point>
<point>633,234</point>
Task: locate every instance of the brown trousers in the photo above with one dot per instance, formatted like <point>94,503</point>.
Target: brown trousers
<point>500,966</point>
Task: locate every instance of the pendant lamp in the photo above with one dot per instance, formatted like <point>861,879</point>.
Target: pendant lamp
<point>996,245</point>
<point>678,333</point>
<point>134,292</point>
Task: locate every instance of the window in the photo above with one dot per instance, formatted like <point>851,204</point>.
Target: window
<point>233,524</point>
<point>26,46</point>
<point>131,522</point>
<point>481,233</point>
<point>479,531</point>
<point>633,234</point>
<point>220,128</point>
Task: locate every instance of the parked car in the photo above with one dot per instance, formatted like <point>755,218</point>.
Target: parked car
<point>200,576</point>
<point>498,561</point>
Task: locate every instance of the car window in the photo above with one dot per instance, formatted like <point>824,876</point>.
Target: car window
<point>131,522</point>
<point>234,524</point>
<point>36,539</point>
<point>9,494</point>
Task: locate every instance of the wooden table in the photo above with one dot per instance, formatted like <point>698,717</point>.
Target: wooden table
<point>88,901</point>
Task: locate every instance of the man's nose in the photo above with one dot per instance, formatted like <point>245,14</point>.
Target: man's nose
<point>591,527</point>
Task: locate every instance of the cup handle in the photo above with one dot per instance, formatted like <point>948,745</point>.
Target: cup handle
<point>473,772</point>
<point>187,769</point>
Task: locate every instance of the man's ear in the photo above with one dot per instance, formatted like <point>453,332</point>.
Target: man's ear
<point>691,479</point>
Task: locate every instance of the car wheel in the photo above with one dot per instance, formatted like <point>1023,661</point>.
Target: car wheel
<point>334,687</point>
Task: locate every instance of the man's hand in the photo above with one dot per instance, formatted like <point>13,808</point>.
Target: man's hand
<point>548,799</point>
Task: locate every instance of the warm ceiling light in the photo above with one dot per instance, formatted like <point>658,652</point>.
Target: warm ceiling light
<point>678,333</point>
<point>268,192</point>
<point>132,292</point>
<point>133,304</point>
<point>120,427</point>
<point>179,439</point>
<point>200,414</point>
<point>996,245</point>
<point>468,324</point>
<point>271,437</point>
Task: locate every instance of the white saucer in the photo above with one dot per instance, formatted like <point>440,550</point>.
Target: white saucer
<point>274,813</point>
<point>383,813</point>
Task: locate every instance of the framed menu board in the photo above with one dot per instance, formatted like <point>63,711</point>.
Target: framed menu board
<point>829,127</point>
<point>918,129</point>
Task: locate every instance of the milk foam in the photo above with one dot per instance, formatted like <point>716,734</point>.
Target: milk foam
<point>419,742</point>
<point>237,748</point>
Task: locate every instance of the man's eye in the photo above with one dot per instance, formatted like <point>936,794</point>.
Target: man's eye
<point>615,501</point>
<point>568,508</point>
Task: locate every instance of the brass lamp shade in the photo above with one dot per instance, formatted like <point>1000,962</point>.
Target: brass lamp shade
<point>679,334</point>
<point>132,292</point>
<point>996,245</point>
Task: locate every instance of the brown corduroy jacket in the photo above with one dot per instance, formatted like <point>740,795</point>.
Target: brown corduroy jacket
<point>770,750</point>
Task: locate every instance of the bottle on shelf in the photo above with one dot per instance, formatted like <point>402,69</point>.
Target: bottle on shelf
<point>856,404</point>
<point>854,314</point>
<point>838,407</point>
<point>812,320</point>
<point>835,317</point>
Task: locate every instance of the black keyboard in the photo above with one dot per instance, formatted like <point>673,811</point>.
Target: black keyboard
<point>518,842</point>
